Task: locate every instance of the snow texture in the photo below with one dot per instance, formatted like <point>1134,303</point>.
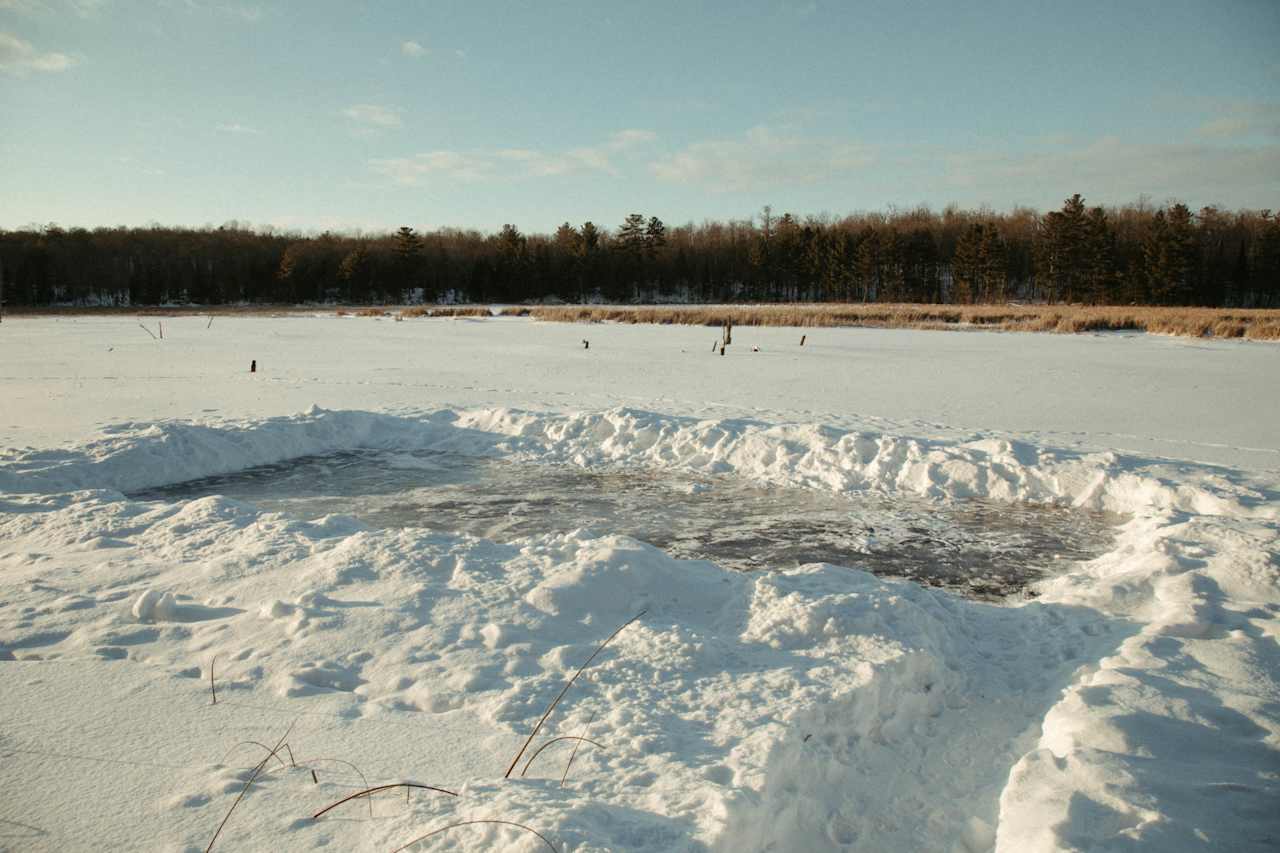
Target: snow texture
<point>1134,703</point>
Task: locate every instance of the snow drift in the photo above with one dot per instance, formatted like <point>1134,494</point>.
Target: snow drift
<point>1133,703</point>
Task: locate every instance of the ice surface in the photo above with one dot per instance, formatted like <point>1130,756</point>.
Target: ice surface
<point>979,547</point>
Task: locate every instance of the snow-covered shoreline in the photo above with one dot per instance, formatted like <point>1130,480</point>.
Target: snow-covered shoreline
<point>1135,703</point>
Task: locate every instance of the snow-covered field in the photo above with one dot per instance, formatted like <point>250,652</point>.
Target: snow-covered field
<point>1133,703</point>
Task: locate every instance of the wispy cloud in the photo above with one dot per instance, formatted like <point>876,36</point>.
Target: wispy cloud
<point>1238,119</point>
<point>454,165</point>
<point>248,14</point>
<point>373,116</point>
<point>80,8</point>
<point>511,163</point>
<point>87,8</point>
<point>237,127</point>
<point>412,48</point>
<point>18,57</point>
<point>764,157</point>
<point>1123,170</point>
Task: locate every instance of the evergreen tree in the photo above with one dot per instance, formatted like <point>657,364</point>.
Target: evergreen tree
<point>631,236</point>
<point>408,252</point>
<point>994,265</point>
<point>655,234</point>
<point>1098,278</point>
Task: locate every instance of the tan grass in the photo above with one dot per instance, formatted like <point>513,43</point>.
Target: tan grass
<point>446,311</point>
<point>1256,324</point>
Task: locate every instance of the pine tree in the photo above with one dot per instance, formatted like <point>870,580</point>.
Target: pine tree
<point>1098,280</point>
<point>631,236</point>
<point>655,235</point>
<point>994,265</point>
<point>408,251</point>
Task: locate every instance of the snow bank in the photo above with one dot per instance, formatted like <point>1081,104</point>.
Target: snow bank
<point>132,457</point>
<point>1133,703</point>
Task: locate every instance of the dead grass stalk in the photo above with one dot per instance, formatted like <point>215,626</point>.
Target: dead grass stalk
<point>565,689</point>
<point>1252,323</point>
<point>550,846</point>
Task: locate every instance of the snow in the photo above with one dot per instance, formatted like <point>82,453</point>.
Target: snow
<point>1134,703</point>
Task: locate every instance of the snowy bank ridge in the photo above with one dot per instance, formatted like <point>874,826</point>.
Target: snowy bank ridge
<point>131,457</point>
<point>1133,704</point>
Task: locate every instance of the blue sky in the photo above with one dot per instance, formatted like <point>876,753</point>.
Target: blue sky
<point>315,115</point>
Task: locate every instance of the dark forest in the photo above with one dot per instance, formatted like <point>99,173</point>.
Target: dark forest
<point>1134,254</point>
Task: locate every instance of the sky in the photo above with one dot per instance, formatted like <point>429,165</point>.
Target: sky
<point>333,114</point>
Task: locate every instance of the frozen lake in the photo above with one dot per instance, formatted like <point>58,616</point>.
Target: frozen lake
<point>977,547</point>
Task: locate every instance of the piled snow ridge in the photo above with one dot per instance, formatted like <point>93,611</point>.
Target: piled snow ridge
<point>131,457</point>
<point>1134,702</point>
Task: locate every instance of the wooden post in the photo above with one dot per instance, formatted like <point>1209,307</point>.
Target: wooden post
<point>802,337</point>
<point>253,366</point>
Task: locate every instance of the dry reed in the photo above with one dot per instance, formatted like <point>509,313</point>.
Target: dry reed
<point>369,792</point>
<point>565,689</point>
<point>1252,323</point>
<point>253,776</point>
<point>473,822</point>
<point>580,740</point>
<point>573,754</point>
<point>446,311</point>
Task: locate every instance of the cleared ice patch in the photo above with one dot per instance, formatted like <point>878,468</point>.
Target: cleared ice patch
<point>981,548</point>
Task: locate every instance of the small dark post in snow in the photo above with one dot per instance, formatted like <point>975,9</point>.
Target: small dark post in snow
<point>586,344</point>
<point>161,325</point>
<point>714,344</point>
<point>802,337</point>
<point>253,366</point>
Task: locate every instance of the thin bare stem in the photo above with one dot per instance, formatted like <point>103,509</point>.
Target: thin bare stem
<point>212,687</point>
<point>550,846</point>
<point>375,789</point>
<point>270,752</point>
<point>359,773</point>
<point>257,770</point>
<point>574,754</point>
<point>565,690</point>
<point>148,331</point>
<point>538,751</point>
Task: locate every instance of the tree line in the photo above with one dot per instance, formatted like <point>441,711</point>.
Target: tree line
<point>1133,254</point>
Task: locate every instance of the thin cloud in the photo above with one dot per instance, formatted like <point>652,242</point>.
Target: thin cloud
<point>1239,119</point>
<point>409,171</point>
<point>248,14</point>
<point>87,8</point>
<point>630,138</point>
<point>18,57</point>
<point>763,158</point>
<point>1124,170</point>
<point>511,163</point>
<point>412,49</point>
<point>373,115</point>
<point>237,127</point>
